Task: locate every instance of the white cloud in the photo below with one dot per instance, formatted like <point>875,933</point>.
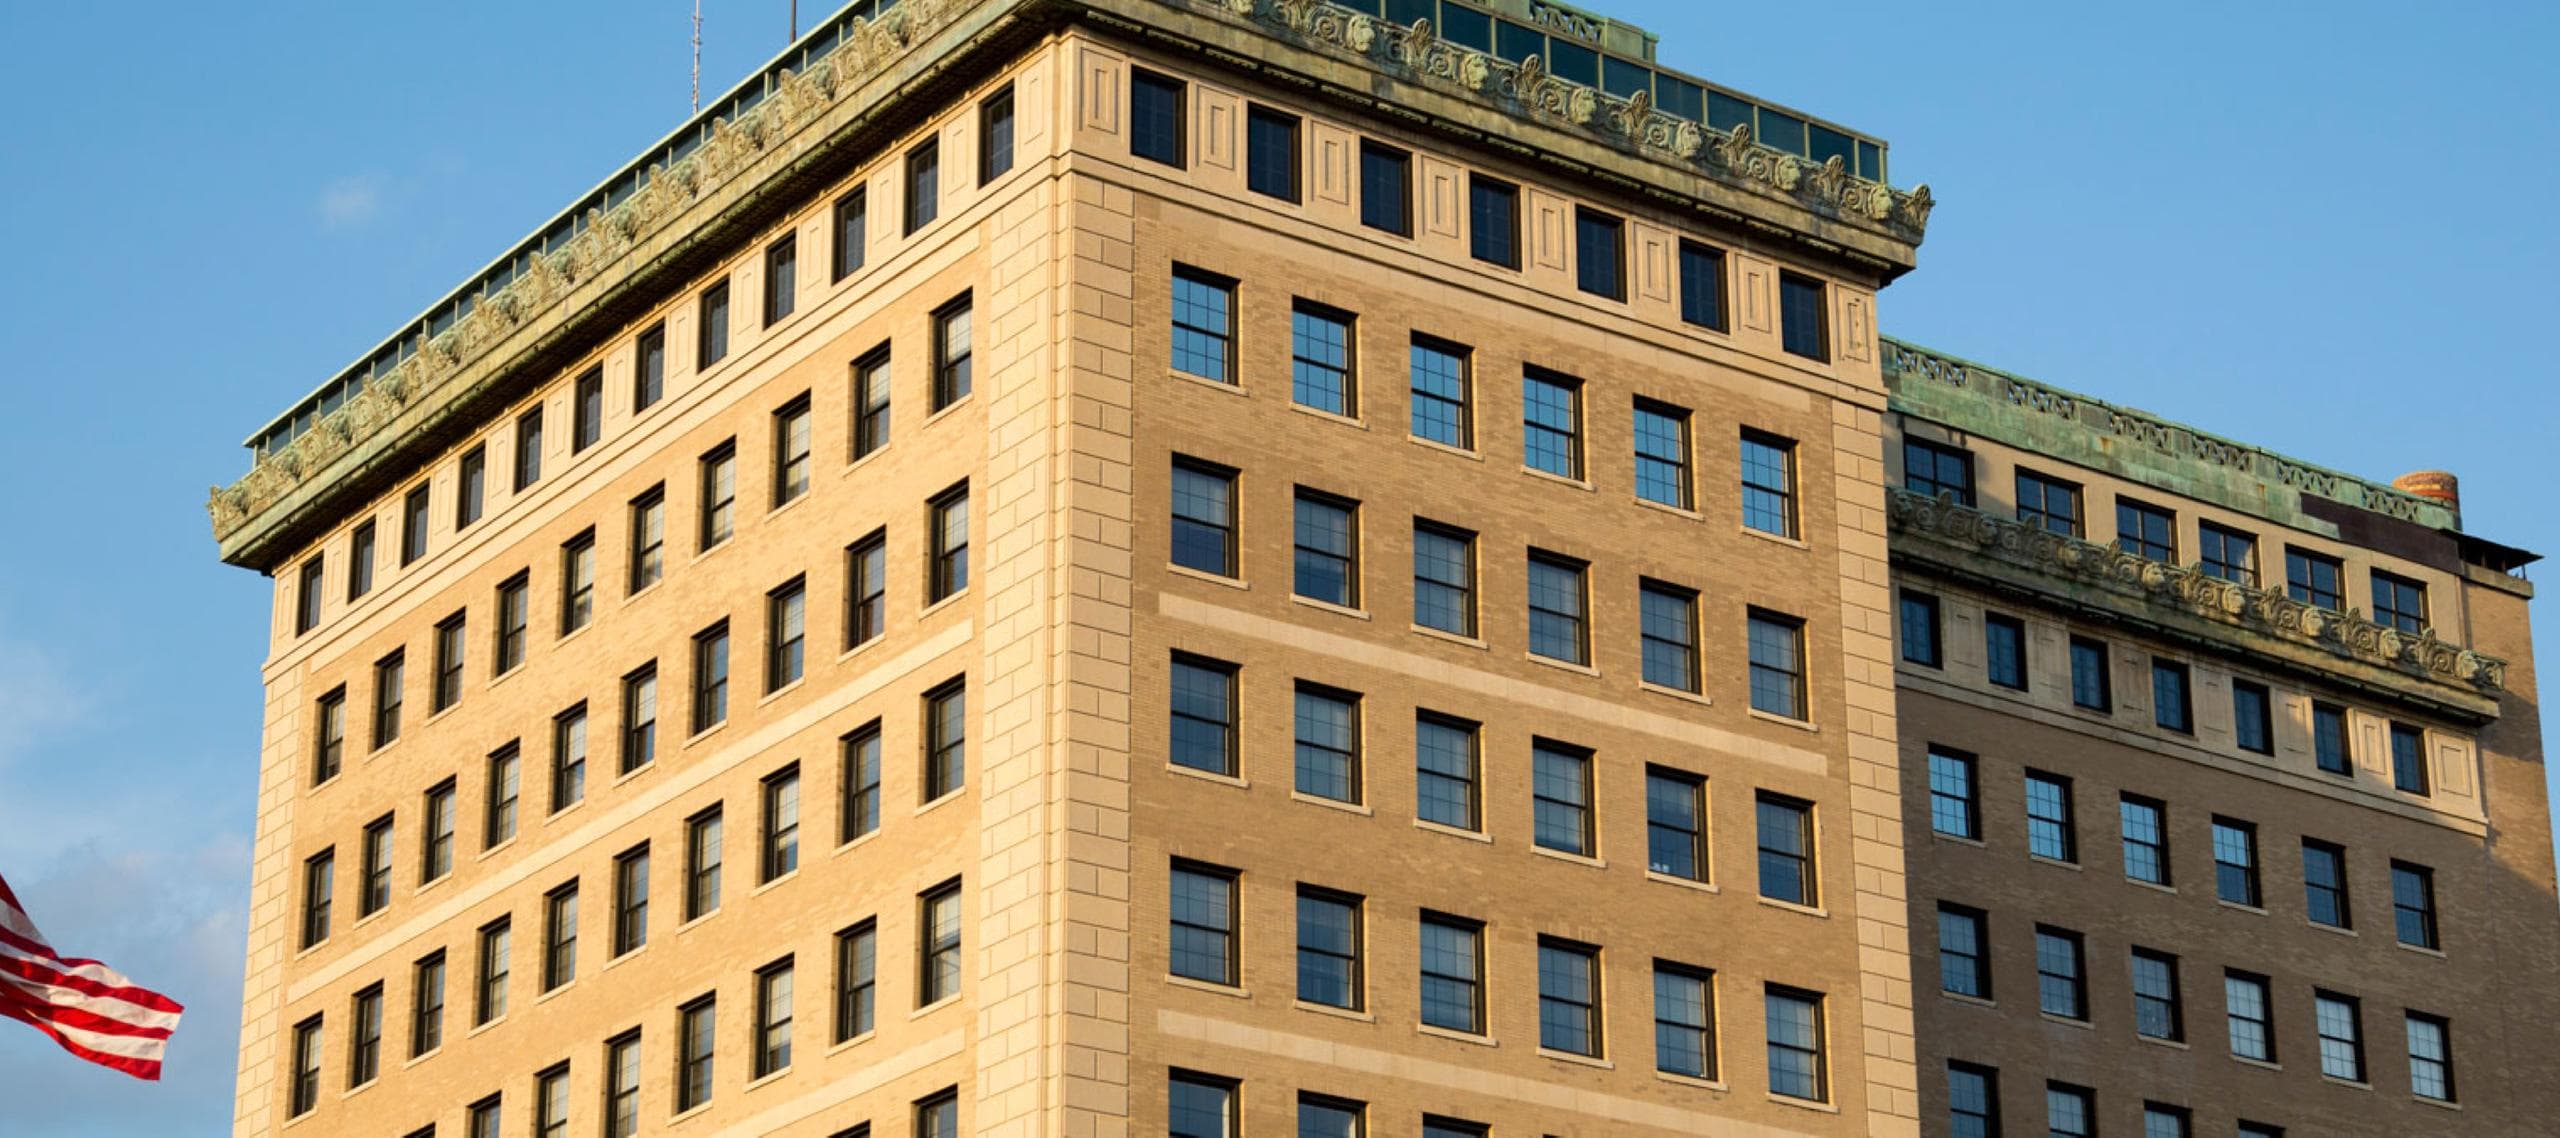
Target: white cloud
<point>351,201</point>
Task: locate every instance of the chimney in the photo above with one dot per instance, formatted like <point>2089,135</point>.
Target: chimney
<point>2433,485</point>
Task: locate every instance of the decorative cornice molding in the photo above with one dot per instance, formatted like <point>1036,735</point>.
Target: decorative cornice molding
<point>1968,535</point>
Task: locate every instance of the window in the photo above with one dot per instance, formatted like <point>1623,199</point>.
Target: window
<point>1327,536</point>
<point>471,487</point>
<point>1702,286</point>
<point>1493,221</point>
<point>1453,973</point>
<point>857,980</point>
<point>1568,997</point>
<point>426,1005</point>
<point>578,581</point>
<point>2399,602</point>
<point>586,410</point>
<point>1321,353</point>
<point>2092,680</point>
<point>413,526</point>
<point>1442,376</point>
<point>860,813</point>
<point>1203,698</point>
<point>948,514</point>
<point>1683,1021</point>
<point>1551,423</point>
<point>648,538</point>
<point>1321,1116</point>
<point>2314,579</point>
<point>1955,795</point>
<point>1600,256</point>
<point>2413,904</point>
<point>954,357</point>
<point>551,1103</point>
<point>1329,948</point>
<point>1434,1126</point>
<point>2172,704</point>
<point>2235,862</point>
<point>719,494</point>
<point>711,677</point>
<point>1803,325</point>
<point>2052,833</point>
<point>1964,954</point>
<point>649,369</point>
<point>1794,1026</point>
<point>2430,1057</point>
<point>631,899</point>
<point>2228,553</point>
<point>853,231</point>
<point>1675,820</point>
<point>773,1019</point>
<point>791,451</point>
<point>390,675</point>
<point>995,136</point>
<point>2340,1023</point>
<point>924,185</point>
<point>450,646</point>
<point>1973,1101</point>
<point>1919,622</point>
<point>639,718</point>
<point>2329,739</point>
<point>1768,484</point>
<point>485,1121</point>
<point>515,615</point>
<point>506,769</point>
<point>1557,603</point>
<point>1786,850</point>
<point>1560,792</point>
<point>2071,1112</point>
<point>2246,1005</point>
<point>2408,758</point>
<point>2049,503</point>
<point>2005,650</point>
<point>1328,743</point>
<point>2144,823</point>
<point>2324,884</point>
<point>2252,717</point>
<point>435,850</point>
<point>2062,983</point>
<point>939,950</point>
<point>2157,1010</point>
<point>786,634</point>
<point>712,344</point>
<point>702,864</point>
<point>697,1025</point>
<point>622,1086</point>
<point>560,936</point>
<point>329,730</point>
<point>305,1092</point>
<point>1271,153</point>
<point>364,1048</point>
<point>489,998</point>
<point>319,884</point>
<point>939,1116</point>
<point>375,892</point>
<point>2146,531</point>
<point>779,852</point>
<point>2160,1121</point>
<point>1200,1106</point>
<point>1933,470</point>
<point>1204,323</point>
<point>866,589</point>
<point>1203,938</point>
<point>946,724</point>
<point>1204,533</point>
<point>1444,578</point>
<point>1386,188</point>
<point>528,449</point>
<point>1777,665</point>
<point>1662,454</point>
<point>1156,117</point>
<point>306,595</point>
<point>1444,752</point>
<point>871,403</point>
<point>360,555</point>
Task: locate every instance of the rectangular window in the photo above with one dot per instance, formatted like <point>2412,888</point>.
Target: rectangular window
<point>329,732</point>
<point>2413,904</point>
<point>697,1026</point>
<point>939,1115</point>
<point>1920,631</point>
<point>1568,997</point>
<point>485,1120</point>
<point>1560,797</point>
<point>938,948</point>
<point>1662,454</point>
<point>2052,832</point>
<point>1445,771</point>
<point>648,538</point>
<point>1442,380</point>
<point>649,369</point>
<point>2253,717</point>
<point>1323,1116</point>
<point>471,487</point>
<point>1804,325</point>
<point>2146,531</point>
<point>1444,578</point>
<point>2315,579</point>
<point>1955,794</point>
<point>1322,351</point>
<point>390,676</point>
<point>1668,626</point>
<point>1204,507</point>
<point>489,996</point>
<point>435,849</point>
<point>413,526</point>
<point>2340,1023</point>
<point>376,892</point>
<point>1156,119</point>
<point>2005,650</point>
<point>450,653</point>
<point>1329,938</point>
<point>719,478</point>
<point>560,936</point>
<point>1769,484</point>
<point>1702,286</point>
<point>1797,1068</point>
<point>2249,1010</point>
<point>995,136</point>
<point>305,1092</point>
<point>1600,255</point>
<point>786,634</point>
<point>2430,1057</point>
<point>860,811</point>
<point>946,723</point>
<point>551,1103</point>
<point>426,1005</point>
<point>2329,739</point>
<point>791,451</point>
<point>1493,221</point>
<point>1271,153</point>
<point>586,410</point>
<point>2092,679</point>
<point>639,718</point>
<point>702,864</point>
<point>631,899</point>
<point>1328,743</point>
<point>1202,733</point>
<point>1684,1019</point>
<point>1559,601</point>
<point>1934,470</point>
<point>2408,758</point>
<point>712,344</point>
<point>1453,973</point>
<point>515,616</point>
<point>528,449</point>
<point>1551,423</point>
<point>506,770</point>
<point>779,844</point>
<point>2158,1011</point>
<point>2062,981</point>
<point>773,1019</point>
<point>2160,1121</point>
<point>2172,702</point>
<point>1777,665</point>
<point>306,595</point>
<point>1964,952</point>
<point>853,231</point>
<point>1327,541</point>
<point>1386,188</point>
<point>622,1086</point>
<point>954,354</point>
<point>2144,823</point>
<point>2399,602</point>
<point>2049,503</point>
<point>781,278</point>
<point>1204,325</point>
<point>319,887</point>
<point>1675,816</point>
<point>711,677</point>
<point>1786,850</point>
<point>360,556</point>
<point>2324,884</point>
<point>2227,553</point>
<point>947,518</point>
<point>2235,862</point>
<point>871,403</point>
<point>578,581</point>
<point>866,594</point>
<point>2072,1112</point>
<point>1203,934</point>
<point>1973,1101</point>
<point>924,185</point>
<point>857,980</point>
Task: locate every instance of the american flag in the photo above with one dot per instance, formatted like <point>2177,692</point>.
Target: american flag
<point>87,1007</point>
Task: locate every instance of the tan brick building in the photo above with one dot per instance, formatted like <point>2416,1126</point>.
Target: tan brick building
<point>1202,566</point>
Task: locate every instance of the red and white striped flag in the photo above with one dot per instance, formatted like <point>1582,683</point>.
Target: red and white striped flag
<point>87,1007</point>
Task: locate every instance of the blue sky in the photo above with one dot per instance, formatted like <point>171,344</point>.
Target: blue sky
<point>2323,228</point>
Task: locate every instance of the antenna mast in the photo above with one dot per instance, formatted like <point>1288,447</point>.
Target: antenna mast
<point>697,54</point>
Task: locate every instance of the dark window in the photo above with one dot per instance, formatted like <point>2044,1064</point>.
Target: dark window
<point>1955,793</point>
<point>1551,423</point>
<point>360,556</point>
<point>305,1091</point>
<point>375,894</point>
<point>2314,579</point>
<point>435,848</point>
<point>2050,503</point>
<point>1203,936</point>
<point>586,410</point>
<point>924,185</point>
<point>622,1086</point>
<point>1322,351</point>
<point>1662,453</point>
<point>551,1103</point>
<point>1329,971</point>
<point>1386,188</point>
<point>413,525</point>
<point>1442,381</point>
<point>2430,1057</point>
<point>2339,1021</point>
<point>2005,650</point>
<point>1920,624</point>
<point>1434,1126</point>
<point>1964,952</point>
<point>639,718</point>
<point>1803,325</point>
<point>954,357</point>
<point>702,861</point>
<point>779,844</point>
<point>1668,620</point>
<point>2253,717</point>
<point>1795,1033</point>
<point>1777,665</point>
<point>1328,743</point>
<point>1568,997</point>
<point>2399,602</point>
<point>426,1005</point>
<point>697,1025</point>
<point>939,1116</point>
<point>1558,602</point>
<point>2158,1010</point>
<point>938,948</point>
<point>306,595</point>
<point>471,487</point>
<point>2227,553</point>
<point>1327,541</point>
<point>946,740</point>
<point>857,980</point>
<point>631,899</point>
<point>1973,1101</point>
<point>1560,797</point>
<point>1204,534</point>
<point>560,936</point>
<point>1675,822</point>
<point>1203,730</point>
<point>2408,758</point>
<point>1445,775</point>
<point>995,136</point>
<point>319,887</point>
<point>2052,831</point>
<point>1936,471</point>
<point>948,517</point>
<point>496,958</point>
<point>2172,703</point>
<point>578,581</point>
<point>329,751</point>
<point>2159,1121</point>
<point>2146,531</point>
<point>2324,884</point>
<point>1493,221</point>
<point>2092,676</point>
<point>860,812</point>
<point>1323,1116</point>
<point>871,402</point>
<point>786,634</point>
<point>648,538</point>
<point>1769,483</point>
<point>485,1120</point>
<point>2329,739</point>
<point>719,477</point>
<point>506,773</point>
<point>2413,904</point>
<point>390,676</point>
<point>515,618</point>
<point>711,677</point>
<point>1200,1106</point>
<point>2145,826</point>
<point>649,369</point>
<point>450,650</point>
<point>773,1019</point>
<point>1453,973</point>
<point>1156,117</point>
<point>2072,1112</point>
<point>791,439</point>
<point>1600,254</point>
<point>2062,981</point>
<point>1444,578</point>
<point>528,449</point>
<point>712,344</point>
<point>1702,285</point>
<point>1786,850</point>
<point>2250,1015</point>
<point>1271,153</point>
<point>1204,320</point>
<point>853,230</point>
<point>2235,862</point>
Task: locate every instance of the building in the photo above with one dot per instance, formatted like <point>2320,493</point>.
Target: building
<point>703,700</point>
